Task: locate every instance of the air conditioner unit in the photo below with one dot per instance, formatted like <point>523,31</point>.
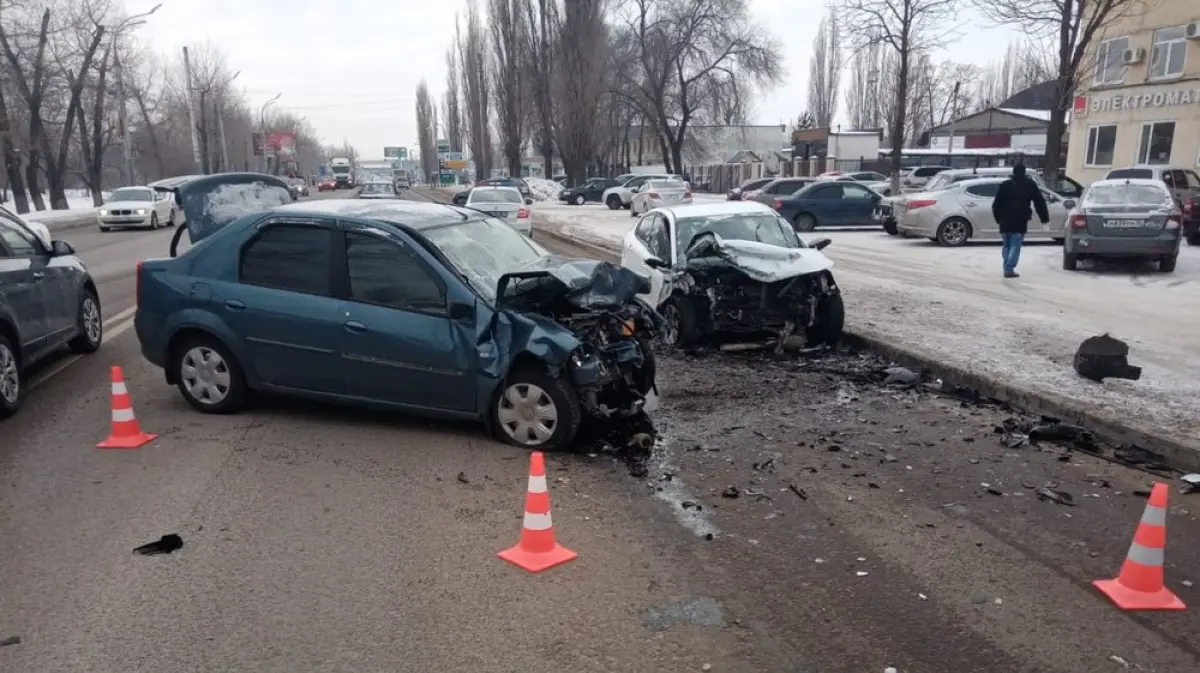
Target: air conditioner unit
<point>1193,30</point>
<point>1134,56</point>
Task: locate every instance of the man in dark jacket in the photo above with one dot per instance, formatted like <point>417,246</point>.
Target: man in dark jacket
<point>1013,207</point>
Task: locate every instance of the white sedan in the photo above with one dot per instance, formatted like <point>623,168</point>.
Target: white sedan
<point>620,196</point>
<point>142,207</point>
<point>963,211</point>
<point>505,203</point>
<point>657,193</point>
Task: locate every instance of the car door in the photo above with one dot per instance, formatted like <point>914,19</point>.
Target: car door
<point>641,243</point>
<point>858,204</point>
<point>59,306</point>
<point>283,306</point>
<point>398,342</point>
<point>825,202</point>
<point>630,188</point>
<point>21,294</point>
<point>976,201</point>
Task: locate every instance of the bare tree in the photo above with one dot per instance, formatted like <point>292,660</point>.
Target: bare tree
<point>579,84</point>
<point>825,70</point>
<point>863,94</point>
<point>907,28</point>
<point>1072,25</point>
<point>541,17</point>
<point>425,132</point>
<point>805,120</point>
<point>685,48</point>
<point>452,120</point>
<point>476,88</point>
<point>509,42</point>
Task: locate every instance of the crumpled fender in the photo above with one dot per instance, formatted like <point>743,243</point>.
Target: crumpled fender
<point>506,335</point>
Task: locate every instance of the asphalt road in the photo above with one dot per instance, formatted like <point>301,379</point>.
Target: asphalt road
<point>322,539</point>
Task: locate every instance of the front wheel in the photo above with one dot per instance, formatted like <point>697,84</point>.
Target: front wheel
<point>89,324</point>
<point>804,222</point>
<point>1167,264</point>
<point>680,316</point>
<point>171,218</point>
<point>1070,261</point>
<point>890,227</point>
<point>154,220</point>
<point>209,376</point>
<point>10,378</point>
<point>830,322</point>
<point>579,200</point>
<point>536,410</point>
<point>1193,238</point>
<point>613,202</point>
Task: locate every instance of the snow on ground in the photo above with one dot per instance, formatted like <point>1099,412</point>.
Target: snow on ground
<point>79,202</point>
<point>955,303</point>
<point>543,189</point>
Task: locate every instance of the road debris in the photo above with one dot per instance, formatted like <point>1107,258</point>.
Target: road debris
<point>462,478</point>
<point>730,492</point>
<point>1104,357</point>
<point>798,491</point>
<point>1055,496</point>
<point>11,640</point>
<point>1191,483</point>
<point>164,545</point>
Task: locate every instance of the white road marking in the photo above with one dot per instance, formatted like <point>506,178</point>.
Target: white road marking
<point>113,327</point>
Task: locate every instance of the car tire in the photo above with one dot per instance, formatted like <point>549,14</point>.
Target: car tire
<point>682,321</point>
<point>579,199</point>
<point>1167,264</point>
<point>613,202</point>
<point>533,384</point>
<point>226,372</point>
<point>171,218</point>
<point>90,323</point>
<point>830,322</point>
<point>804,222</point>
<point>948,235</point>
<point>1059,241</point>
<point>104,230</point>
<point>1070,261</point>
<point>1194,238</point>
<point>11,385</point>
<point>890,227</point>
<point>153,221</point>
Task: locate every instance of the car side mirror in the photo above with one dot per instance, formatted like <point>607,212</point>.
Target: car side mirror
<point>655,263</point>
<point>529,202</point>
<point>61,249</point>
<point>461,310</point>
<point>820,243</point>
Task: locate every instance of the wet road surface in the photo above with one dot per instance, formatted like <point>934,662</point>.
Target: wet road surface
<point>330,539</point>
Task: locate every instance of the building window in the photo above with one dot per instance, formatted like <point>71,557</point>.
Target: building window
<point>1101,141</point>
<point>1155,145</point>
<point>1110,61</point>
<point>1169,53</point>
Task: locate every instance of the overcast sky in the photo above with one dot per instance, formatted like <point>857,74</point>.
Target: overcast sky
<point>352,67</point>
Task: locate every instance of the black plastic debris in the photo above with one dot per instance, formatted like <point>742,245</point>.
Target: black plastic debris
<point>730,492</point>
<point>462,478</point>
<point>900,376</point>
<point>1103,357</point>
<point>164,545</point>
<point>1132,454</point>
<point>11,640</point>
<point>1055,496</point>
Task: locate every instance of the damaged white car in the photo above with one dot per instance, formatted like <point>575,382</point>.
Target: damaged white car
<point>734,271</point>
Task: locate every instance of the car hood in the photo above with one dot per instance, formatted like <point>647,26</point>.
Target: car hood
<point>586,284</point>
<point>763,262</point>
<point>213,201</point>
<point>131,205</point>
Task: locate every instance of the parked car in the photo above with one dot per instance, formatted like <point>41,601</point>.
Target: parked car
<point>655,193</point>
<point>620,196</point>
<point>776,188</point>
<point>963,211</point>
<point>378,189</point>
<point>327,185</point>
<point>299,187</point>
<point>1184,185</point>
<point>460,198</point>
<point>738,193</point>
<point>503,203</point>
<point>730,270</point>
<point>1125,218</point>
<point>48,301</point>
<point>828,203</point>
<point>420,307</point>
<point>401,183</point>
<point>136,207</point>
<point>592,190</point>
<point>860,176</point>
<point>913,179</point>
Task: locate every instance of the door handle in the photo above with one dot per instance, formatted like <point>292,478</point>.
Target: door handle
<point>234,305</point>
<point>355,327</point>
<point>38,274</point>
<point>969,204</point>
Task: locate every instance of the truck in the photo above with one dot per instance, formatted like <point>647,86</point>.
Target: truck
<point>343,172</point>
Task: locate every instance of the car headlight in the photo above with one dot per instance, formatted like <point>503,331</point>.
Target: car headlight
<point>141,211</point>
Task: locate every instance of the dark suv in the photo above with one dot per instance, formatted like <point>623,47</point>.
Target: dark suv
<point>1183,184</point>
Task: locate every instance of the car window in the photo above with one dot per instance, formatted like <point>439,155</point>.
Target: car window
<point>19,241</point>
<point>652,232</point>
<point>855,192</point>
<point>1191,179</point>
<point>761,227</point>
<point>986,190</point>
<point>1170,178</point>
<point>1130,173</point>
<point>130,195</point>
<point>383,272</point>
<point>635,183</point>
<point>496,196</point>
<point>826,192</point>
<point>1067,187</point>
<point>1120,194</point>
<point>288,257</point>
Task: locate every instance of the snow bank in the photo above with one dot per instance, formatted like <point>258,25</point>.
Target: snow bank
<point>79,203</point>
<point>954,302</point>
<point>543,189</point>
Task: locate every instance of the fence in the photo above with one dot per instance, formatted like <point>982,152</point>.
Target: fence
<point>719,178</point>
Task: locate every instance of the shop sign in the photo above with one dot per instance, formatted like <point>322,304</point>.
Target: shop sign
<point>1117,102</point>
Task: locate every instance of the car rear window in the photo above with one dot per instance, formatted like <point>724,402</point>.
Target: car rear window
<point>1130,173</point>
<point>1127,194</point>
<point>496,196</point>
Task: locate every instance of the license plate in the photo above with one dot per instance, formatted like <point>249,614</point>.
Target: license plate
<point>1124,224</point>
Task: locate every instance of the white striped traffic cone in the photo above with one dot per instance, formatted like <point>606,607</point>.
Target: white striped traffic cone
<point>126,433</point>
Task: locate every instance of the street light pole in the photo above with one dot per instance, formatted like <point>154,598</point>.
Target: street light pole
<point>122,113</point>
<point>262,127</point>
<point>221,90</point>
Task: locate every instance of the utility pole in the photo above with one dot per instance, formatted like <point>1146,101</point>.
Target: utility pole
<point>954,117</point>
<point>262,128</point>
<point>187,67</point>
<point>221,132</point>
<point>122,115</point>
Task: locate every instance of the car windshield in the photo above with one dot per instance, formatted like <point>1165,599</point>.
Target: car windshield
<point>483,250</point>
<point>761,227</point>
<point>753,184</point>
<point>1131,173</point>
<point>1127,195</point>
<point>496,196</point>
<point>130,195</point>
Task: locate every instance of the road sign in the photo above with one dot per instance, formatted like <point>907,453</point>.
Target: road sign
<point>443,147</point>
<point>403,153</point>
<point>395,152</point>
<point>456,161</point>
<point>447,178</point>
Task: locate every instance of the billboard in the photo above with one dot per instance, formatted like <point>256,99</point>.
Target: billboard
<point>455,160</point>
<point>395,152</point>
<point>259,144</point>
<point>443,147</point>
<point>283,142</point>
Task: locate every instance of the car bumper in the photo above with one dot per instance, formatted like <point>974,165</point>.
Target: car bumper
<point>1165,244</point>
<point>147,327</point>
<point>107,221</point>
<point>913,226</point>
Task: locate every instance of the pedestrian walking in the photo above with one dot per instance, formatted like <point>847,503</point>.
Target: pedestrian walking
<point>1013,207</point>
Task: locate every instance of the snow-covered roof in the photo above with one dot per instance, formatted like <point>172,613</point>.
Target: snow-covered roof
<point>1040,115</point>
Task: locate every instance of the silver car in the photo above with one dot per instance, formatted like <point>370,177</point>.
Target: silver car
<point>657,193</point>
<point>504,203</point>
<point>1125,218</point>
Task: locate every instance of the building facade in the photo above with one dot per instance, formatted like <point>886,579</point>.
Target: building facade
<point>1140,103</point>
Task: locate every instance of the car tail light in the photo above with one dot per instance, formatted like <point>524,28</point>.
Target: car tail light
<point>777,204</point>
<point>687,194</point>
<point>522,213</point>
<point>653,195</point>
<point>1190,208</point>
<point>137,286</point>
<point>1174,219</point>
<point>1079,221</point>
<point>920,203</point>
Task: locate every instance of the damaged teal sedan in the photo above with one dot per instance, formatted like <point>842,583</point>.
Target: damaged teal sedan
<point>425,308</point>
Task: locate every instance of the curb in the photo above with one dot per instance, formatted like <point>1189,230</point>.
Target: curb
<point>1176,452</point>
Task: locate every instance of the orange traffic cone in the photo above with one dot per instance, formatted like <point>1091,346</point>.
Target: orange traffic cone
<point>126,433</point>
<point>537,550</point>
<point>1140,584</point>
